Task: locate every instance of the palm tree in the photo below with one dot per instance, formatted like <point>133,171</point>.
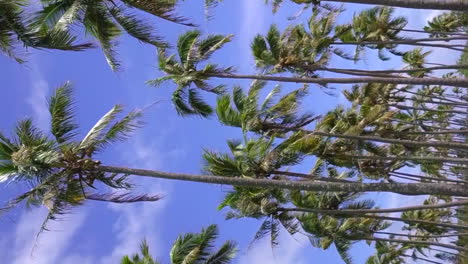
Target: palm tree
<point>190,248</point>
<point>63,171</point>
<point>15,32</point>
<point>185,72</point>
<point>105,20</point>
<point>191,52</point>
<point>425,4</point>
<point>60,170</point>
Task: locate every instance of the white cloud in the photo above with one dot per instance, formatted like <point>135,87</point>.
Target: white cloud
<point>51,244</point>
<point>253,22</point>
<point>290,250</point>
<point>140,220</point>
<point>37,98</point>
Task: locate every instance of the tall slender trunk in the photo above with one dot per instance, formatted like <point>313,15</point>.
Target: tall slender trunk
<point>403,42</point>
<point>403,158</point>
<point>307,176</point>
<point>411,143</point>
<point>422,236</point>
<point>441,132</point>
<point>455,5</point>
<point>416,100</point>
<point>429,178</point>
<point>454,33</point>
<point>379,72</point>
<point>404,107</point>
<point>423,259</point>
<point>414,242</point>
<point>323,81</point>
<point>431,96</point>
<point>401,188</point>
<point>359,212</point>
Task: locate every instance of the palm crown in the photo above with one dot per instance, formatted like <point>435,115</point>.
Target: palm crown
<point>60,170</point>
<point>186,74</point>
<point>15,31</point>
<point>190,248</point>
<point>105,20</point>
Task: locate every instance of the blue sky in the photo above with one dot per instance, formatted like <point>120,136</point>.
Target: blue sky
<point>103,233</point>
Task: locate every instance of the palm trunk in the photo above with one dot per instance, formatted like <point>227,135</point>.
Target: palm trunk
<point>382,73</point>
<point>403,158</point>
<point>455,5</point>
<point>441,132</point>
<point>306,176</point>
<point>414,242</point>
<point>404,107</point>
<point>423,259</point>
<point>324,81</point>
<point>359,212</point>
<point>422,236</point>
<point>402,42</point>
<point>406,41</point>
<point>401,188</point>
<point>454,33</point>
<point>429,178</point>
<point>410,143</point>
<point>453,104</point>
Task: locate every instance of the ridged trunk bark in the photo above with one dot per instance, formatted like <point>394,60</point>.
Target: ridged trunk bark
<point>323,81</point>
<point>401,188</point>
<point>357,212</point>
<point>455,5</point>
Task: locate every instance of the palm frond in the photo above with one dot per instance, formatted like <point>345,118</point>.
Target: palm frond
<point>98,23</point>
<point>137,28</point>
<point>186,46</point>
<point>62,114</point>
<point>95,133</point>
<point>224,255</point>
<point>164,9</point>
<point>226,114</point>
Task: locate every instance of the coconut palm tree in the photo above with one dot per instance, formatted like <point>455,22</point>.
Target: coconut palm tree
<point>59,169</point>
<point>190,248</point>
<point>106,20</point>
<point>15,31</point>
<point>62,170</point>
<point>192,50</point>
<point>192,72</point>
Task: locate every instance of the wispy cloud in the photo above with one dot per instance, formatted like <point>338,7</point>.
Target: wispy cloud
<point>51,244</point>
<point>37,98</point>
<point>253,22</point>
<point>141,220</point>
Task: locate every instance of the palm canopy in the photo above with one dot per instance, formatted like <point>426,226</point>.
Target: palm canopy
<point>15,31</point>
<point>185,72</point>
<point>325,230</point>
<point>191,248</point>
<point>374,24</point>
<point>275,115</point>
<point>299,49</point>
<point>106,20</point>
<point>58,169</point>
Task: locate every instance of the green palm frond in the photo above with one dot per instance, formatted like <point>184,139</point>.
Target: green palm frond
<point>224,255</point>
<point>137,28</point>
<point>62,116</point>
<point>225,112</point>
<point>221,164</point>
<point>98,23</point>
<point>97,131</point>
<point>164,9</point>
